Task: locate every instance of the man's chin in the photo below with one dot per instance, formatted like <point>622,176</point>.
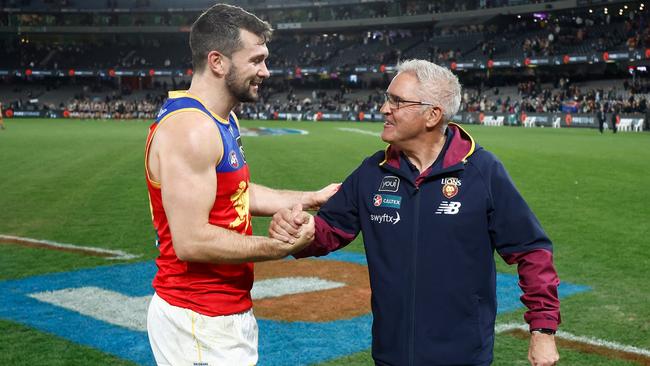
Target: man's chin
<point>249,98</point>
<point>386,137</point>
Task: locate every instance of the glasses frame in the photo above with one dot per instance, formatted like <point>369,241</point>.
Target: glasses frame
<point>396,104</point>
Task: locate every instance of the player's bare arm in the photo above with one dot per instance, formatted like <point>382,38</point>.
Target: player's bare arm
<point>266,201</point>
<point>183,157</point>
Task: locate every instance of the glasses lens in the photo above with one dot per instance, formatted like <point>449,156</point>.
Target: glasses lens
<point>391,100</point>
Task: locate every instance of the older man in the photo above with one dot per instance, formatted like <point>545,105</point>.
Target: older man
<point>433,207</point>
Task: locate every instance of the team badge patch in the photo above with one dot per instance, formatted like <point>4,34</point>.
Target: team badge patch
<point>386,200</point>
<point>234,162</point>
<point>450,187</point>
<point>389,184</point>
<point>449,190</point>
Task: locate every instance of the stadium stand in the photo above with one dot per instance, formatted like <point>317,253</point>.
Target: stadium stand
<point>92,56</point>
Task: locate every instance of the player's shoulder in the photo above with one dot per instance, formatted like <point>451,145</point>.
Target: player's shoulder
<point>189,129</point>
<point>187,119</point>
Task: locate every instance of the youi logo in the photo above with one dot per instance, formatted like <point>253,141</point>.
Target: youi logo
<point>389,184</point>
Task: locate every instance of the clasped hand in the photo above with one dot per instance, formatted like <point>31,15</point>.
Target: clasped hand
<point>295,227</point>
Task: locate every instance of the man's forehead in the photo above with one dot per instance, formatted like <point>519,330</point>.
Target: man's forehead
<point>249,38</point>
<point>252,43</point>
<point>403,83</point>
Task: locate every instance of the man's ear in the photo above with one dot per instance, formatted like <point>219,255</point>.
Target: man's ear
<point>218,63</point>
<point>433,116</point>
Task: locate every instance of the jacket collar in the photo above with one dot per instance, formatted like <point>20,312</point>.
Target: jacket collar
<point>461,146</point>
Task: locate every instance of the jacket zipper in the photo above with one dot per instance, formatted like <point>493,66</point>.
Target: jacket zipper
<point>416,223</point>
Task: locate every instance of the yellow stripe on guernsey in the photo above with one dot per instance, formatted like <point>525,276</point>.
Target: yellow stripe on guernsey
<point>153,133</point>
<point>186,94</point>
<point>234,117</point>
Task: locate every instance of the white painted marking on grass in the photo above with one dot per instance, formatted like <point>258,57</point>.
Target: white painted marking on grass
<point>114,254</point>
<point>358,130</point>
<point>500,328</point>
<point>585,340</point>
<point>109,306</point>
<point>131,312</point>
<point>276,287</point>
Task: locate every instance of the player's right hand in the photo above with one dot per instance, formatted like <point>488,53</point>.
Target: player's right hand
<point>286,224</point>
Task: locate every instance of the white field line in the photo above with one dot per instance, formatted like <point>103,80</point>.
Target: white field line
<point>131,311</point>
<point>107,253</point>
<point>358,130</point>
<point>586,340</point>
<point>108,306</point>
<point>276,287</point>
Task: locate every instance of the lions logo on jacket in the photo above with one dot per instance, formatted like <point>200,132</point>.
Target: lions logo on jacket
<point>450,187</point>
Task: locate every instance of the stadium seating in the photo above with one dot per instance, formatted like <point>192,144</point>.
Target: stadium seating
<point>529,121</point>
<point>625,125</point>
<point>631,124</point>
<point>344,59</point>
<point>493,121</point>
<point>556,122</point>
<point>638,126</point>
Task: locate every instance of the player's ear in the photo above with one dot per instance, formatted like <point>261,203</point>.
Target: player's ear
<point>217,63</point>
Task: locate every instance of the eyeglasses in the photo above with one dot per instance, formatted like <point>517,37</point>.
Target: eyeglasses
<point>395,102</point>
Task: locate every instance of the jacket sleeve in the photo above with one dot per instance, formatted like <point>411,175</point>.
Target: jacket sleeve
<point>518,237</point>
<point>337,222</point>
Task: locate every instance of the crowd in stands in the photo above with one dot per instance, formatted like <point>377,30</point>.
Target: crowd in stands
<point>530,97</point>
<point>114,108</point>
<point>44,13</point>
<point>323,101</point>
<point>565,97</point>
<point>102,52</point>
<point>556,33</point>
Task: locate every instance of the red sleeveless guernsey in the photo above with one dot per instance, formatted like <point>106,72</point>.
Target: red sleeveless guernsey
<point>209,289</point>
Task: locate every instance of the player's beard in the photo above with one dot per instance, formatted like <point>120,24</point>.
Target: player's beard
<point>241,89</point>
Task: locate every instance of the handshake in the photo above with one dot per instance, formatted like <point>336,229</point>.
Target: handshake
<point>294,228</point>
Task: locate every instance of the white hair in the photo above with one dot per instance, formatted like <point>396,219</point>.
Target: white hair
<point>438,85</point>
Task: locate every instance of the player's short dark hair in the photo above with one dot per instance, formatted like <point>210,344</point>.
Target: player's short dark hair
<point>217,29</point>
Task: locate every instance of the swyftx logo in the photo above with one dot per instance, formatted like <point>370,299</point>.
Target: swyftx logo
<point>386,218</point>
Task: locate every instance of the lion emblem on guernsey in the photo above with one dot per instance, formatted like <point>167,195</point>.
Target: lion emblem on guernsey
<point>240,202</point>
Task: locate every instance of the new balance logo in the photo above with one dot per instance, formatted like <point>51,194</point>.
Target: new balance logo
<point>448,208</point>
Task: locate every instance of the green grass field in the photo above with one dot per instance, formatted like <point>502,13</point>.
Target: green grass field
<point>82,182</point>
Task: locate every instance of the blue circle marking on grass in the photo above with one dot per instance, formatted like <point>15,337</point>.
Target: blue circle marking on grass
<point>268,131</point>
<point>280,343</point>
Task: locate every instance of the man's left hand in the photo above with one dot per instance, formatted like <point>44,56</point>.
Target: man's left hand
<point>542,350</point>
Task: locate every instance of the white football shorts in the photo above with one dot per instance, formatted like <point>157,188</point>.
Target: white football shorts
<point>182,337</point>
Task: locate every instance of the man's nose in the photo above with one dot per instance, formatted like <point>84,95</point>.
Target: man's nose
<point>264,71</point>
<point>385,108</point>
